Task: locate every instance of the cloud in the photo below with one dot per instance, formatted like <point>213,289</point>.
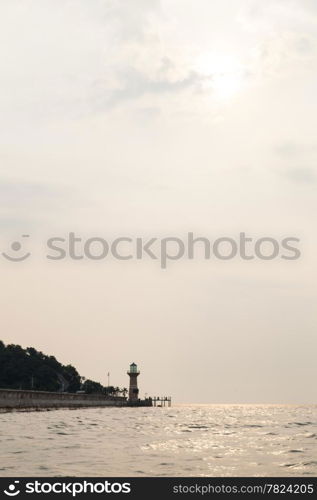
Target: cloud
<point>131,20</point>
<point>309,5</point>
<point>305,175</point>
<point>288,149</point>
<point>105,54</point>
<point>292,149</point>
<point>24,192</point>
<point>25,203</point>
<point>135,84</point>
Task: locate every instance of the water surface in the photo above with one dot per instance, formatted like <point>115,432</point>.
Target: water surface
<point>187,440</point>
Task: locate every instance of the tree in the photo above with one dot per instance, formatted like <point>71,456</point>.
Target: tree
<point>31,369</point>
<point>91,387</point>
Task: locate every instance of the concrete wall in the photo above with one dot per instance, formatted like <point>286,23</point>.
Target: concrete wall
<point>15,400</point>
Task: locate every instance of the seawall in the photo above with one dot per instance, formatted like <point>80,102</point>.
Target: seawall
<point>11,399</point>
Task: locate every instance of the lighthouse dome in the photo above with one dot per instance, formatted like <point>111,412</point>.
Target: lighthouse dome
<point>133,368</point>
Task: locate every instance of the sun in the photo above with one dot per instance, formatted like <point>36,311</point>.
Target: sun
<point>224,74</point>
<point>226,86</point>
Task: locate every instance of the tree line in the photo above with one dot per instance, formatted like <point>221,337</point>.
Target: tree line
<point>29,369</point>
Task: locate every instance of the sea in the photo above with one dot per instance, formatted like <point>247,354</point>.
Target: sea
<point>184,440</point>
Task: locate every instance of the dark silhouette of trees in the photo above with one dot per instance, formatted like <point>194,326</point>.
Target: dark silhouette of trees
<point>31,369</point>
<point>91,387</point>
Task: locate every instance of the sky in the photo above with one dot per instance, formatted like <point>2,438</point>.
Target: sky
<point>157,118</point>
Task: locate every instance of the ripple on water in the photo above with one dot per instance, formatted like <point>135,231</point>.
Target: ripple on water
<point>303,423</point>
<point>198,427</point>
<point>224,440</point>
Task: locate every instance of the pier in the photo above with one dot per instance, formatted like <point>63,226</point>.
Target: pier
<point>162,401</point>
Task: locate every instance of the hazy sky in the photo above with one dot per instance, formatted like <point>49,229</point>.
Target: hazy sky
<point>149,117</point>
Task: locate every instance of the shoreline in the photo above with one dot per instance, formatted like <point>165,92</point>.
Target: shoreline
<point>21,400</point>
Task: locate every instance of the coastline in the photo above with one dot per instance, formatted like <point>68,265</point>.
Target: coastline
<point>20,400</point>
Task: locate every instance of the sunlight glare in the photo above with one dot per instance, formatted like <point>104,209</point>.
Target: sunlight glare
<point>225,72</point>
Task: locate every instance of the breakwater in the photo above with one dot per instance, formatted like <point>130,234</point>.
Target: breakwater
<point>11,399</point>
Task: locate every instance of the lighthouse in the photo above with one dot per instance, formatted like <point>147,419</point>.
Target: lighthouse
<point>133,387</point>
